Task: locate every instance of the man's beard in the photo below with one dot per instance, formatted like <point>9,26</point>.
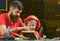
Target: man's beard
<point>14,18</point>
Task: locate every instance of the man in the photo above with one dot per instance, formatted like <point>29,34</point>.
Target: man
<point>12,19</point>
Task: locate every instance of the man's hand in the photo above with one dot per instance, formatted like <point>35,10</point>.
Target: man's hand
<point>26,28</point>
<point>3,30</point>
<point>22,28</point>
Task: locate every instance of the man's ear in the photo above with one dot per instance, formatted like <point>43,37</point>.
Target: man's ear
<point>11,8</point>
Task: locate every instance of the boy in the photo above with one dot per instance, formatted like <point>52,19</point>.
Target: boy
<point>33,23</point>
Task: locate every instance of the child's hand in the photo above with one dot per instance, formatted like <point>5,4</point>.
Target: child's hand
<point>58,29</point>
<point>44,37</point>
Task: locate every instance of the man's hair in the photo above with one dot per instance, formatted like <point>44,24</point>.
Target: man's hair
<point>17,4</point>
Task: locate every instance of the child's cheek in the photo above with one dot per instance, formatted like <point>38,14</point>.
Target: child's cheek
<point>32,28</point>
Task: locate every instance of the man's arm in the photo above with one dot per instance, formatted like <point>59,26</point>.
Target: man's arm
<point>19,28</point>
<point>3,30</point>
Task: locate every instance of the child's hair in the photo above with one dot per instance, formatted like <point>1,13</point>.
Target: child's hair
<point>32,21</point>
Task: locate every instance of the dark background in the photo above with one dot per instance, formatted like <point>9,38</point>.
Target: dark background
<point>48,12</point>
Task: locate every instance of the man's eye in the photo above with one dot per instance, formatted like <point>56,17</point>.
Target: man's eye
<point>17,12</point>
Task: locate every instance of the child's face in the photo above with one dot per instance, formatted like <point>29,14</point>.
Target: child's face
<point>32,24</point>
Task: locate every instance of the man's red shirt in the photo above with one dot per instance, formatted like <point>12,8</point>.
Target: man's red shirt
<point>5,20</point>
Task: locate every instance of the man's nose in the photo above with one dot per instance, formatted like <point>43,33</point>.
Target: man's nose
<point>18,14</point>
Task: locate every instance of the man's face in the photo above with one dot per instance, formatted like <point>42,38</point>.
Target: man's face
<point>15,13</point>
<point>32,24</point>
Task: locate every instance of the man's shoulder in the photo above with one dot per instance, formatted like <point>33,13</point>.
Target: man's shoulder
<point>20,18</point>
<point>3,14</point>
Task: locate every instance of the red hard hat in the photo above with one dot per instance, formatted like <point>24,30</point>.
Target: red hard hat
<point>34,18</point>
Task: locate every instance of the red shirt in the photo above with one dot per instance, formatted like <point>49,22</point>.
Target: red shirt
<point>5,20</point>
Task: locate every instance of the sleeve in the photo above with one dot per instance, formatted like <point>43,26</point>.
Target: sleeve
<point>38,36</point>
<point>20,22</point>
<point>2,20</point>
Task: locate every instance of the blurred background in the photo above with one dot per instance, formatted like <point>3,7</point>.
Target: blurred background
<point>48,12</point>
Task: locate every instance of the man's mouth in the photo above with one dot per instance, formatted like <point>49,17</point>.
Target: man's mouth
<point>14,18</point>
